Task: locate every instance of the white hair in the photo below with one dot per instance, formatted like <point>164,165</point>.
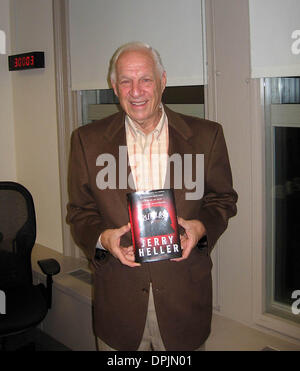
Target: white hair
<point>135,46</point>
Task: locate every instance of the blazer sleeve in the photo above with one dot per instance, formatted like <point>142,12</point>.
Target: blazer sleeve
<point>219,200</point>
<point>82,212</point>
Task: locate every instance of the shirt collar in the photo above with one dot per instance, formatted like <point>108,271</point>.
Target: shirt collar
<point>135,131</point>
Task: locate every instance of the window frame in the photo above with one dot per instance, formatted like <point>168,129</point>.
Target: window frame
<point>262,318</point>
<point>272,305</point>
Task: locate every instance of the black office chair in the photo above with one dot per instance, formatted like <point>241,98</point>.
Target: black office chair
<point>25,305</point>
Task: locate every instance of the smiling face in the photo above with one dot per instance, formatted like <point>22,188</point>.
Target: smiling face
<point>139,87</point>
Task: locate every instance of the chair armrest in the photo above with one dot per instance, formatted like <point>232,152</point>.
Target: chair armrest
<point>49,266</point>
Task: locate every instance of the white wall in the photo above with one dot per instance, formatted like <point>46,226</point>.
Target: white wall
<point>34,100</point>
<point>229,71</point>
<point>7,139</point>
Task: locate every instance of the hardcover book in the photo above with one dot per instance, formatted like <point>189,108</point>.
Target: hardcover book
<point>154,227</point>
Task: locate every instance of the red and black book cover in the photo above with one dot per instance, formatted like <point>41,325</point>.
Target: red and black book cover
<point>154,227</point>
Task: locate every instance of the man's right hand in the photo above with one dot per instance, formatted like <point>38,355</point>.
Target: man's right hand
<point>110,240</point>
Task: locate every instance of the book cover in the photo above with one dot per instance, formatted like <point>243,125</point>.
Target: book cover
<point>154,227</point>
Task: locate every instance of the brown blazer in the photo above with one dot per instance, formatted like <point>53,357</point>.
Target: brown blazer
<point>182,290</point>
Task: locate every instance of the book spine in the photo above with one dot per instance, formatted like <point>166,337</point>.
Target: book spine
<point>131,225</point>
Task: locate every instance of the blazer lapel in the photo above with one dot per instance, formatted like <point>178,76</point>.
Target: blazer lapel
<point>116,136</point>
<point>179,134</point>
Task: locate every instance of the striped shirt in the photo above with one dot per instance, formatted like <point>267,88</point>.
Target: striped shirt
<point>148,153</point>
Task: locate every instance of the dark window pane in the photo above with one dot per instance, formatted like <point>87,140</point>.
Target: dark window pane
<point>287,212</point>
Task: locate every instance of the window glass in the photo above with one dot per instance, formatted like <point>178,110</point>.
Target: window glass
<point>282,112</point>
<point>97,104</point>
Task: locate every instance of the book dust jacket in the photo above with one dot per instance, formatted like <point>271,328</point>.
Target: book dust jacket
<point>154,227</point>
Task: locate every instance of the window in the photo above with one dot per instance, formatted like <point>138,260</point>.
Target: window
<point>97,104</point>
<point>282,112</point>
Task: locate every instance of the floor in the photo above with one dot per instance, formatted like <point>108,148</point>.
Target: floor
<point>226,335</point>
<point>47,343</point>
<point>35,340</point>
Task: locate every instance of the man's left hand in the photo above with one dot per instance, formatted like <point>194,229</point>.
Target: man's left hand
<point>194,231</point>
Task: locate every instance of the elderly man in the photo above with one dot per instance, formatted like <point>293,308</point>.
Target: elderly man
<point>163,305</point>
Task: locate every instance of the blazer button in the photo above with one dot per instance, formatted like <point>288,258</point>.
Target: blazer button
<point>145,290</point>
<point>100,254</point>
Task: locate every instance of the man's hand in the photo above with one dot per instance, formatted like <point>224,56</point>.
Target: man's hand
<point>194,231</point>
<point>110,239</point>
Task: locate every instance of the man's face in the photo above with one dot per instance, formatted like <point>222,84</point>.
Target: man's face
<point>139,87</point>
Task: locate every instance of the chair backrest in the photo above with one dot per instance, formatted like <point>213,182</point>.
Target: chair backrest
<point>17,235</point>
